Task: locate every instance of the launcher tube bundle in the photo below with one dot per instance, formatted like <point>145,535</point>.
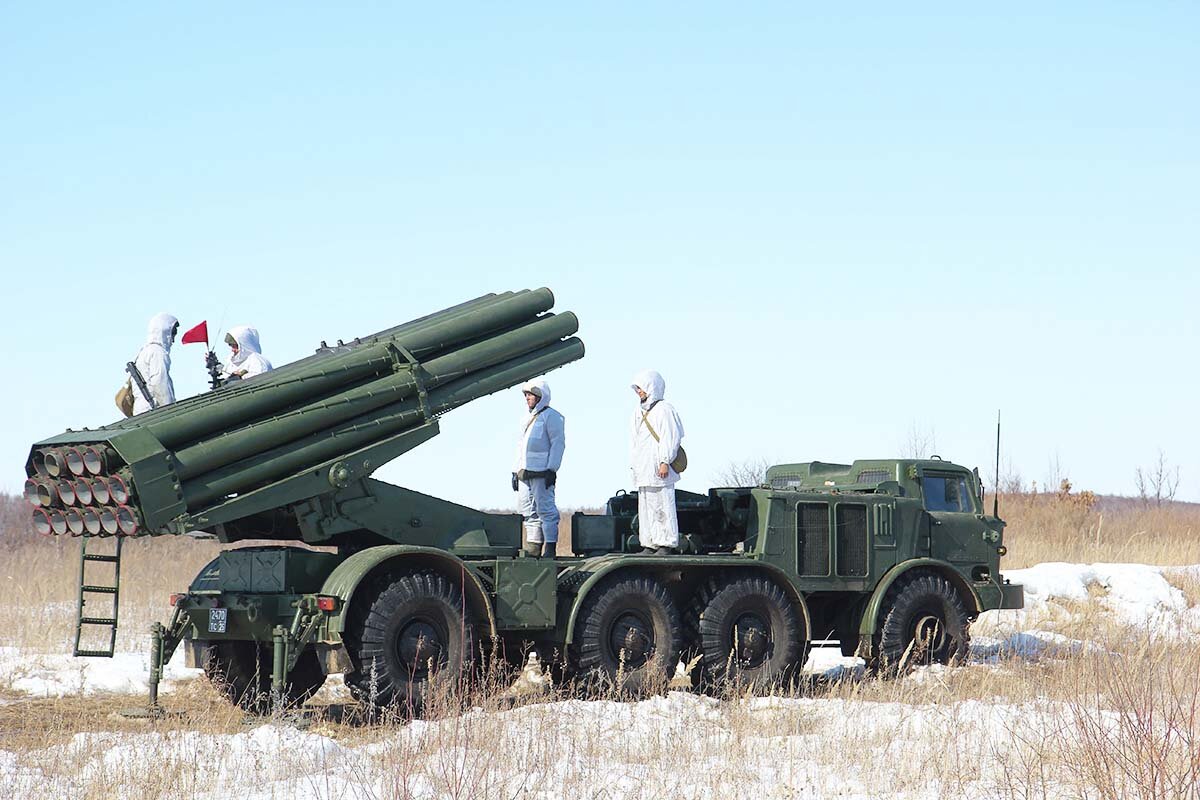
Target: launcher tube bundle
<point>301,431</point>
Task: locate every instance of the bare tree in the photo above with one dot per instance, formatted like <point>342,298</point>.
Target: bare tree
<point>921,442</point>
<point>1011,481</point>
<point>1056,475</point>
<point>1157,483</point>
<point>751,472</point>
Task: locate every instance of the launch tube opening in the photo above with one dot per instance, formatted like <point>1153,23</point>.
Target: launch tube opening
<point>100,491</point>
<point>54,463</point>
<point>118,490</point>
<point>47,493</point>
<point>66,492</point>
<point>93,460</point>
<point>41,522</point>
<point>74,461</point>
<point>74,522</point>
<point>126,521</point>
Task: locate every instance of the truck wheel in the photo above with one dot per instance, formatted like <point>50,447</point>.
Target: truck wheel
<point>750,634</point>
<point>924,621</point>
<point>414,630</point>
<point>629,635</point>
<point>242,672</point>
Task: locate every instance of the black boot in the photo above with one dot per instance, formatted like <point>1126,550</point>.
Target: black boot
<point>647,551</point>
<point>550,550</point>
<point>664,551</point>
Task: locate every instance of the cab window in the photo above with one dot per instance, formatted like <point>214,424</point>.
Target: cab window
<point>947,493</point>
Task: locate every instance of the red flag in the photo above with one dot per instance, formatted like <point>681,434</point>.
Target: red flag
<point>197,334</point>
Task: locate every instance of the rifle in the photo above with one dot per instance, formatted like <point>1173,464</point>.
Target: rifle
<point>140,383</point>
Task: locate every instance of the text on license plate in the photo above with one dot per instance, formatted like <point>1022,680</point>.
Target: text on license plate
<point>218,620</point>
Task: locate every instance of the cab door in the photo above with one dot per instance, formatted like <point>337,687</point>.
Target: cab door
<point>956,529</point>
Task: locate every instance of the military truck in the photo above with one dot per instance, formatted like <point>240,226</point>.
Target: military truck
<point>391,587</point>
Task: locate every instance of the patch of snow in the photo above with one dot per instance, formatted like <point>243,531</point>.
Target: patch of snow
<point>829,662</point>
<point>55,675</point>
<point>1137,595</point>
<point>1026,645</point>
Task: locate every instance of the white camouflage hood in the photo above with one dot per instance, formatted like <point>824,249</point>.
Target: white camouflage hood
<point>540,388</point>
<point>652,384</point>
<point>159,329</point>
<point>247,342</point>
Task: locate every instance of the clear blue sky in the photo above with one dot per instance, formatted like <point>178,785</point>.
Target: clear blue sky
<point>826,229</point>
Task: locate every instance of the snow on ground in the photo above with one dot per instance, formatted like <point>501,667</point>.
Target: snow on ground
<point>1137,595</point>
<point>768,747</point>
<point>602,748</point>
<point>58,674</point>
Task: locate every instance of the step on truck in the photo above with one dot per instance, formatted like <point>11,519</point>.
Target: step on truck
<point>338,572</point>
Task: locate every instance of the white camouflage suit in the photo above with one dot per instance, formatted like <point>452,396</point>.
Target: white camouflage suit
<point>540,448</point>
<point>249,360</point>
<point>153,361</point>
<point>657,522</point>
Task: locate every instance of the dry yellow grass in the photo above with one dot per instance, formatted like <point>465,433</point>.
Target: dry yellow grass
<point>1070,526</point>
<point>39,577</point>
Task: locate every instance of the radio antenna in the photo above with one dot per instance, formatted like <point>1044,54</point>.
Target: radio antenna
<point>996,485</point>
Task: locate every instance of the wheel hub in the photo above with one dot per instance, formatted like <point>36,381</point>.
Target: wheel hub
<point>930,633</point>
<point>752,640</point>
<point>419,644</point>
<point>631,638</point>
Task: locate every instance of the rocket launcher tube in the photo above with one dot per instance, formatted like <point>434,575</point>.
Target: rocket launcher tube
<point>188,425</point>
<point>444,314</point>
<point>100,491</point>
<point>484,322</point>
<point>74,521</point>
<point>55,461</point>
<point>41,522</point>
<point>96,457</point>
<point>252,439</point>
<point>365,430</point>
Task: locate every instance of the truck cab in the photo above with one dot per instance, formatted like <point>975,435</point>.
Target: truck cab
<point>886,510</point>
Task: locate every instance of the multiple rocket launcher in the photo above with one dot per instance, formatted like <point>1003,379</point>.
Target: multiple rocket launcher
<point>173,469</point>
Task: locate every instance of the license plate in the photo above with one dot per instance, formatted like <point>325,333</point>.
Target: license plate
<point>218,620</point>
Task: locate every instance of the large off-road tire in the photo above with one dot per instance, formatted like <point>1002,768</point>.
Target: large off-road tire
<point>923,621</point>
<point>628,635</point>
<point>242,672</point>
<point>749,634</point>
<point>412,631</point>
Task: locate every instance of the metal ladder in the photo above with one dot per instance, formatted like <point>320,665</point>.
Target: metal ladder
<point>86,589</point>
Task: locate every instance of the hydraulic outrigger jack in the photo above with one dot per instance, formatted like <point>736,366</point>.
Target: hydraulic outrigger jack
<point>163,641</point>
<point>287,645</point>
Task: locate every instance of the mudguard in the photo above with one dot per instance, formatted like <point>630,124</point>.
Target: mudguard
<point>870,618</point>
<point>346,578</point>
